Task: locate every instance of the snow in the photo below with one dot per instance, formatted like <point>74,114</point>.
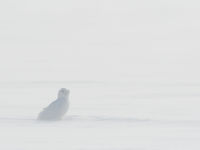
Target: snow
<point>99,40</point>
<point>108,116</point>
<point>131,67</point>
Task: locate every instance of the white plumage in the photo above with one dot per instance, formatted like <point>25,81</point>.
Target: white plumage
<point>57,109</point>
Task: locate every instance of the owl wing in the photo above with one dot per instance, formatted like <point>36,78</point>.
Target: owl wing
<point>52,106</point>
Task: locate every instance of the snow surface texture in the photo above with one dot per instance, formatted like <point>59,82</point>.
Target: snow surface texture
<point>132,67</point>
<point>102,116</point>
<point>57,109</point>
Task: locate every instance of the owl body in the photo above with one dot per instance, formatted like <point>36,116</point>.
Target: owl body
<point>58,108</point>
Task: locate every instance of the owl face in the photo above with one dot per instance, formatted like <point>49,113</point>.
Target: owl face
<point>63,93</point>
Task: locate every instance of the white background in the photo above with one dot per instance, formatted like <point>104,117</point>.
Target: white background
<point>132,68</point>
<point>99,40</point>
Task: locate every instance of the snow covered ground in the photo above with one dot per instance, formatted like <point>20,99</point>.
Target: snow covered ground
<point>102,116</point>
<point>132,68</point>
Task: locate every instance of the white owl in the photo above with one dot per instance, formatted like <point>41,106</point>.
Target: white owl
<point>57,109</point>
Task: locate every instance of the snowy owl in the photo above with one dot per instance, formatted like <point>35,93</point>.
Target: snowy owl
<point>57,109</point>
